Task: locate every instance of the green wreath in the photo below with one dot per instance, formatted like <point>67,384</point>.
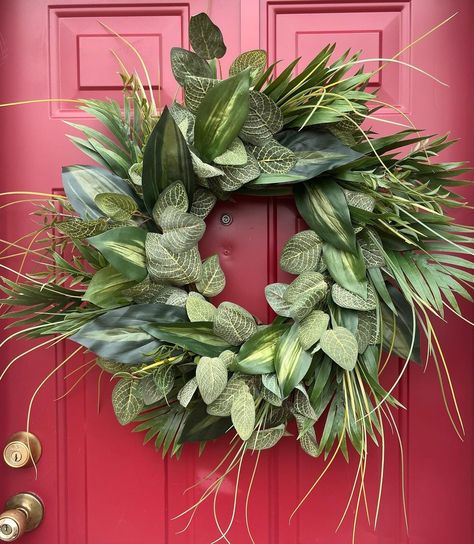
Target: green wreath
<point>378,257</point>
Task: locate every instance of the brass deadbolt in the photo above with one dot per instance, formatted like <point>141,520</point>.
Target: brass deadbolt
<point>22,450</point>
<point>24,512</point>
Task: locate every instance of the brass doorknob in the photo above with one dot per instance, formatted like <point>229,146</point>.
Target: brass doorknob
<point>24,512</point>
<point>22,450</point>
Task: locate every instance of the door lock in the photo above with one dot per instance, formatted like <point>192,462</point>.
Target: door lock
<point>24,512</point>
<point>22,450</point>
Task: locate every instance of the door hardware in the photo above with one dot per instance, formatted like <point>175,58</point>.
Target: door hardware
<point>23,513</point>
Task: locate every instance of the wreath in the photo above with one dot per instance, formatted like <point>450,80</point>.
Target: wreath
<point>123,276</point>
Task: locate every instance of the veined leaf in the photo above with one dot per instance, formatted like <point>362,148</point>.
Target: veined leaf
<point>367,330</point>
<point>275,295</point>
<point>347,269</point>
<point>233,323</point>
<point>222,406</point>
<point>116,206</point>
<point>312,327</point>
<point>211,376</point>
<point>163,264</point>
<point>256,356</point>
<point>205,37</point>
<point>203,202</point>
<point>195,89</point>
<point>200,426</point>
<point>273,158</point>
<point>264,119</point>
<point>256,60</point>
<point>181,230</point>
<point>185,63</point>
<point>174,195</point>
<point>124,249</point>
<point>149,391</point>
<point>235,155</point>
<point>301,252</point>
<point>197,337</point>
<point>83,183</point>
<point>212,280</point>
<point>186,393</point>
<point>304,293</point>
<point>236,176</point>
<point>127,400</point>
<point>203,169</point>
<point>107,288</point>
<point>264,439</point>
<point>166,159</point>
<point>199,309</point>
<point>323,206</point>
<point>221,115</point>
<point>79,229</point>
<point>163,377</point>
<point>345,299</point>
<point>341,346</point>
<point>291,361</point>
<point>243,414</point>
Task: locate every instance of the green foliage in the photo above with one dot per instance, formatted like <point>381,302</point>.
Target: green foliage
<point>256,60</point>
<point>233,323</point>
<point>212,279</point>
<point>185,63</point>
<point>301,252</point>
<point>257,354</point>
<point>211,376</point>
<point>205,37</point>
<point>127,400</point>
<point>341,346</point>
<point>115,206</point>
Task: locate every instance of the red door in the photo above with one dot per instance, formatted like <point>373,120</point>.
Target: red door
<point>98,483</point>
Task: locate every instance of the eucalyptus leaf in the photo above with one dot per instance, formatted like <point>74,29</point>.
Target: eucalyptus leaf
<point>211,376</point>
<point>341,346</point>
<point>205,37</point>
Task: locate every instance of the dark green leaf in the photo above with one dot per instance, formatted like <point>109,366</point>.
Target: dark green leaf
<point>200,426</point>
<point>185,63</point>
<point>205,37</point>
<point>347,269</point>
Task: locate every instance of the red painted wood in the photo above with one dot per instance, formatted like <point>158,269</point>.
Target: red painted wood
<point>98,483</point>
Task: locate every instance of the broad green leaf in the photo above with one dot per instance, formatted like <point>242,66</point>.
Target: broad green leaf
<point>371,247</point>
<point>163,264</point>
<point>166,159</point>
<point>256,356</point>
<point>275,293</point>
<point>345,299</point>
<point>347,269</point>
<point>236,176</point>
<point>203,202</point>
<point>222,406</point>
<point>256,60</point>
<point>186,393</point>
<point>221,115</point>
<point>148,291</point>
<point>243,414</point>
<point>199,309</point>
<point>304,293</point>
<point>212,280</point>
<point>116,206</point>
<point>197,337</point>
<point>235,155</point>
<point>312,327</point>
<point>323,206</point>
<point>270,382</point>
<point>163,377</point>
<point>185,63</point>
<point>211,376</point>
<point>124,249</point>
<point>307,436</point>
<point>320,385</point>
<point>79,229</point>
<point>127,400</point>
<point>195,89</point>
<point>264,119</point>
<point>291,361</point>
<point>229,358</point>
<point>233,323</point>
<point>181,230</point>
<point>135,174</point>
<point>205,37</point>
<point>301,252</point>
<point>173,296</point>
<point>360,200</point>
<point>273,158</point>
<point>117,335</point>
<point>200,426</point>
<point>173,195</point>
<point>149,391</point>
<point>301,405</point>
<point>367,330</point>
<point>203,169</point>
<point>83,183</point>
<point>341,346</point>
<point>264,439</point>
<point>107,288</point>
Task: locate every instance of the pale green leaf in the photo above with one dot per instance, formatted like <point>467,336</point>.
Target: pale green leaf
<point>256,60</point>
<point>185,63</point>
<point>235,155</point>
<point>181,230</point>
<point>195,89</point>
<point>127,400</point>
<point>312,327</point>
<point>79,229</point>
<point>222,406</point>
<point>273,158</point>
<point>199,309</point>
<point>186,393</point>
<point>212,279</point>
<point>274,294</point>
<point>174,195</point>
<point>233,323</point>
<point>264,439</point>
<point>345,299</point>
<point>211,376</point>
<point>203,202</point>
<point>341,346</point>
<point>116,206</point>
<point>243,414</point>
<point>236,176</point>
<point>301,252</point>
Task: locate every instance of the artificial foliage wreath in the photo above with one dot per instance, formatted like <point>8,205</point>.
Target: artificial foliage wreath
<point>378,257</point>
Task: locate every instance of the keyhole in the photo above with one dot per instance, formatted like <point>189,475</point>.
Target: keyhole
<point>6,529</point>
<point>16,456</point>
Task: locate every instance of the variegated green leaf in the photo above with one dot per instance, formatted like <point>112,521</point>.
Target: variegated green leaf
<point>222,406</point>
<point>185,121</point>
<point>195,89</point>
<point>301,252</point>
<point>243,414</point>
<point>205,37</point>
<point>212,279</point>
<point>264,439</point>
<point>199,309</point>
<point>127,400</point>
<point>186,393</point>
<point>371,247</point>
<point>346,268</point>
<point>271,398</point>
<point>233,323</point>
<point>307,435</point>
<point>291,361</point>
<point>181,230</point>
<point>229,358</point>
<point>236,176</point>
<point>163,377</point>
<point>135,174</point>
<point>270,382</point>
<point>304,293</point>
<point>173,296</point>
<point>256,60</point>
<point>203,202</point>
<point>257,354</point>
<point>108,288</point>
<point>185,63</point>
<point>360,200</point>
<point>235,155</point>
<point>149,391</point>
<point>341,346</point>
<point>79,229</point>
<point>312,327</point>
<point>178,268</point>
<point>124,249</point>
<point>301,405</point>
<point>174,195</point>
<point>211,376</point>
<point>116,206</point>
<point>264,119</point>
<point>345,299</point>
<point>368,332</point>
<point>273,158</point>
<point>203,169</point>
<point>274,293</point>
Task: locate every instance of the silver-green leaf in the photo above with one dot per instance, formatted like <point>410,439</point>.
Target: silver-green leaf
<point>211,376</point>
<point>265,439</point>
<point>186,393</point>
<point>174,195</point>
<point>233,323</point>
<point>274,293</point>
<point>302,252</point>
<point>312,327</point>
<point>181,230</point>
<point>185,63</point>
<point>127,400</point>
<point>341,346</point>
<point>345,299</point>
<point>203,202</point>
<point>264,119</point>
<point>199,309</point>
<point>212,280</point>
<point>243,414</point>
<point>273,158</point>
<point>235,155</point>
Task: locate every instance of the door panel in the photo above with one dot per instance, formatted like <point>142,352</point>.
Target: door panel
<point>98,483</point>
